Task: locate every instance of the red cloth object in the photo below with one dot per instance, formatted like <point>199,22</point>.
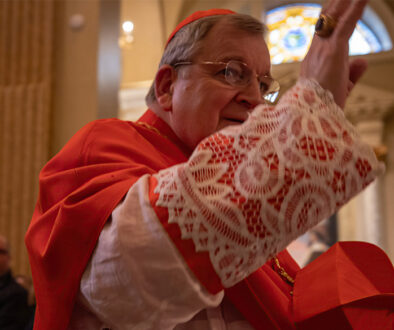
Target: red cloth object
<point>197,15</point>
<point>351,286</point>
<point>79,188</point>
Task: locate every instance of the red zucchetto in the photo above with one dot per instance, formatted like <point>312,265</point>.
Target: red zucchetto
<point>197,15</point>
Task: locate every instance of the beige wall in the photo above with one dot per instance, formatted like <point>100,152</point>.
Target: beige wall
<point>87,66</point>
<point>380,74</point>
<point>140,62</point>
<point>75,70</point>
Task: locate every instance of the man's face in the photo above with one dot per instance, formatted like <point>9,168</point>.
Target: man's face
<point>202,102</point>
<point>4,257</point>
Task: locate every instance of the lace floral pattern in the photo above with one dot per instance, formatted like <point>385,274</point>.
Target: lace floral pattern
<point>248,190</point>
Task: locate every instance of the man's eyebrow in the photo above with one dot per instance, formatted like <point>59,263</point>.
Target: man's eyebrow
<point>229,58</point>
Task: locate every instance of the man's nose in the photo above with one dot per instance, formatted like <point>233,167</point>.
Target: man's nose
<point>250,95</point>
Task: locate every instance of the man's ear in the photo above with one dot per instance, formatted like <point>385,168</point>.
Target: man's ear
<point>164,85</point>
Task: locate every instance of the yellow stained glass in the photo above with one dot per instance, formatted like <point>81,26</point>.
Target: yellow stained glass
<point>291,29</point>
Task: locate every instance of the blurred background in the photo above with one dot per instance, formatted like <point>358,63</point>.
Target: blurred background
<point>64,63</point>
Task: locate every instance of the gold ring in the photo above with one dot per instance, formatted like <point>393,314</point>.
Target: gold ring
<point>325,25</point>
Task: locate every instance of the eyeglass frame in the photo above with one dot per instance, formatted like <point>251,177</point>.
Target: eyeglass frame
<point>271,93</point>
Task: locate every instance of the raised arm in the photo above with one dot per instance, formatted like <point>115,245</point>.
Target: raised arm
<point>249,190</point>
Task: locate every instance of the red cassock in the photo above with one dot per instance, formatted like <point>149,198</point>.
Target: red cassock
<point>79,189</point>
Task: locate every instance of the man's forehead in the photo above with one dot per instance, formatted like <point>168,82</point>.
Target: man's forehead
<point>227,42</point>
<point>226,33</point>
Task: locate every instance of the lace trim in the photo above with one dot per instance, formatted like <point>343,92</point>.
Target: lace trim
<point>249,190</point>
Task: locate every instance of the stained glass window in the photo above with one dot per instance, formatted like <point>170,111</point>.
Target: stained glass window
<point>291,28</point>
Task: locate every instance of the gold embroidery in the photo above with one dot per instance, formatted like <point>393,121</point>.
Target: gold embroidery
<point>149,127</point>
<point>281,271</point>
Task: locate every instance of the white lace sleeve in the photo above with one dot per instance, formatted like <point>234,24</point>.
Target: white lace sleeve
<point>248,190</point>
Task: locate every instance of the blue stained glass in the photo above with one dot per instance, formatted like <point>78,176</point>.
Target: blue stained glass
<point>295,39</point>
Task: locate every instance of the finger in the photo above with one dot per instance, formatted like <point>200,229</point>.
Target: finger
<point>350,86</point>
<point>357,68</point>
<point>349,19</point>
<point>335,8</point>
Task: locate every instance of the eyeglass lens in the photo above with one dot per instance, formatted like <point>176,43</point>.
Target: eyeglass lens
<point>238,74</point>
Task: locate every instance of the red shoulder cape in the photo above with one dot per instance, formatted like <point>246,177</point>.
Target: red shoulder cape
<point>80,187</point>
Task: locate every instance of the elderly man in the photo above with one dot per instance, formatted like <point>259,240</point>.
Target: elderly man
<point>178,220</point>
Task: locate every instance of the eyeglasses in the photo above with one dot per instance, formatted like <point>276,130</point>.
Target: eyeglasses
<point>238,74</point>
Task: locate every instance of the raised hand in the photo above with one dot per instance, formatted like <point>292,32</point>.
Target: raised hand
<point>327,60</point>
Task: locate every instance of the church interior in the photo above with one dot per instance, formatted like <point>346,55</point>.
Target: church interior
<point>65,63</point>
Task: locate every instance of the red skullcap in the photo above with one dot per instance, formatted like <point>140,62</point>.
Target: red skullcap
<point>197,15</point>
